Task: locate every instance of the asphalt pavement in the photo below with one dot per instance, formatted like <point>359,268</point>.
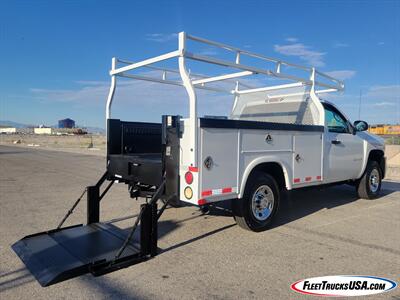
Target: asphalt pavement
<point>326,231</point>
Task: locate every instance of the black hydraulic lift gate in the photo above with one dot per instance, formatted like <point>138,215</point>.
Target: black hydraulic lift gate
<point>97,248</point>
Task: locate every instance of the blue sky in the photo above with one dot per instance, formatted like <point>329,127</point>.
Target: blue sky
<point>55,55</point>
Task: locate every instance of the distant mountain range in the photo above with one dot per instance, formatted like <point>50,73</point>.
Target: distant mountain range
<point>5,123</point>
<point>13,124</point>
<point>96,130</point>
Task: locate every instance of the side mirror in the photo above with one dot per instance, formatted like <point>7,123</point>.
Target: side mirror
<point>360,125</point>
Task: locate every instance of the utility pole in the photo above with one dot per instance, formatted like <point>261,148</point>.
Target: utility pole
<point>359,107</point>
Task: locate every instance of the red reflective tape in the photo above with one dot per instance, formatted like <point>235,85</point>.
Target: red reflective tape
<point>193,169</point>
<point>227,190</point>
<point>319,177</point>
<point>308,178</point>
<point>296,180</point>
<point>206,193</point>
<point>202,202</point>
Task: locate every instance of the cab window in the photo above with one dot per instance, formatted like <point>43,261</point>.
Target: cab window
<point>335,121</point>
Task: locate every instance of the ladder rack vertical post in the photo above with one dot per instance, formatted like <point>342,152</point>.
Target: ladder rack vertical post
<point>187,83</point>
<point>315,99</point>
<point>112,89</point>
<point>237,60</point>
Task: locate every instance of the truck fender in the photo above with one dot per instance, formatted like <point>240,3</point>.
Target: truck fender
<point>250,167</point>
<point>369,153</point>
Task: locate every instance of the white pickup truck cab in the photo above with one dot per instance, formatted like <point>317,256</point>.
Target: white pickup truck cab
<point>278,135</point>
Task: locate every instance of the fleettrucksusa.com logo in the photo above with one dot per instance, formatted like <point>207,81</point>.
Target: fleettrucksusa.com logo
<point>343,285</point>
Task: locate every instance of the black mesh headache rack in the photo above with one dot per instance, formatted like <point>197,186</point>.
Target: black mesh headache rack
<point>146,157</point>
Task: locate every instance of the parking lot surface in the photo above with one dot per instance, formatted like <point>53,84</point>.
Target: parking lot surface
<point>325,231</point>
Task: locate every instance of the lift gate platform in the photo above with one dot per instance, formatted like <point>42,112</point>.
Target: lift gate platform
<point>63,253</point>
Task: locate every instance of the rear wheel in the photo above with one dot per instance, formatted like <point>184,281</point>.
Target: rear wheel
<point>260,202</point>
<point>370,183</point>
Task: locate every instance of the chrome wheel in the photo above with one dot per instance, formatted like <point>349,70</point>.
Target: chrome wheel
<point>374,181</point>
<point>262,203</point>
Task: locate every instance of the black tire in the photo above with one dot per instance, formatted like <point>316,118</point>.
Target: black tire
<point>363,186</point>
<point>243,208</point>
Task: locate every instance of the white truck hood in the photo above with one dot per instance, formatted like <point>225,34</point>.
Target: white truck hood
<point>372,139</point>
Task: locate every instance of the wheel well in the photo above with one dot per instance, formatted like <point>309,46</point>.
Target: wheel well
<point>378,156</point>
<point>273,169</point>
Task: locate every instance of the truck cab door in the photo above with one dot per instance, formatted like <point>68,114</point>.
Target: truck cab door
<point>343,150</point>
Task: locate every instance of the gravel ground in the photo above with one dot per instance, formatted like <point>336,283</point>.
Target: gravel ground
<point>318,232</point>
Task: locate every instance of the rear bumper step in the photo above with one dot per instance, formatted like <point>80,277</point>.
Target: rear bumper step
<point>58,255</point>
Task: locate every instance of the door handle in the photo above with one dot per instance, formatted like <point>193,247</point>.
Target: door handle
<point>336,142</point>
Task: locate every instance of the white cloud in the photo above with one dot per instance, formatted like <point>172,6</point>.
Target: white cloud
<point>340,45</point>
<point>342,74</point>
<point>291,39</point>
<point>371,95</point>
<point>311,57</point>
<point>134,99</point>
<point>384,92</point>
<point>161,37</point>
<point>381,43</point>
<point>379,104</point>
<point>89,82</point>
<point>385,104</point>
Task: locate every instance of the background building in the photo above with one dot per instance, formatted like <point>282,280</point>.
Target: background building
<point>66,123</point>
<point>42,130</point>
<point>8,130</point>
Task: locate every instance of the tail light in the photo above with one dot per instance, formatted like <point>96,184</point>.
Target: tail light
<point>188,193</point>
<point>189,177</point>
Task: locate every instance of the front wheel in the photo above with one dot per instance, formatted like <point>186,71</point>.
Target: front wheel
<point>260,203</point>
<point>370,183</point>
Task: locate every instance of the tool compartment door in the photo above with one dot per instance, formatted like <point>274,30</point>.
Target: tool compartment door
<point>307,151</point>
<point>219,147</point>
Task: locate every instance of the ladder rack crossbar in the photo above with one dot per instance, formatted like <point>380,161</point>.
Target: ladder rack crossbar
<point>246,52</point>
<point>247,70</point>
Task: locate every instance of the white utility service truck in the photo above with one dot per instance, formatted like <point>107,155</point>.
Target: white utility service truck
<point>279,135</point>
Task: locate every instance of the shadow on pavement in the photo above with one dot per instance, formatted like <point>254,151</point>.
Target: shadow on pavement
<point>109,288</point>
<point>202,236</point>
<point>297,204</point>
<point>13,279</point>
<point>390,186</point>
